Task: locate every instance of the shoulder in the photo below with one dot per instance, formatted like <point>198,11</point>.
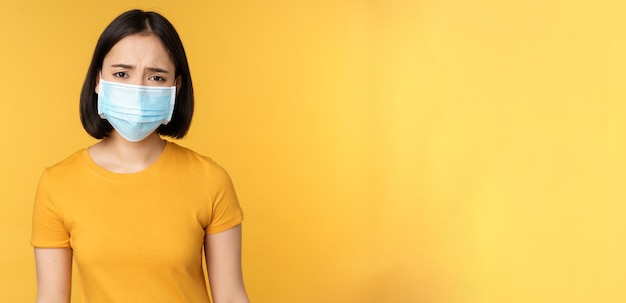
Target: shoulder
<point>69,165</point>
<point>185,154</point>
<point>66,171</point>
<point>187,157</point>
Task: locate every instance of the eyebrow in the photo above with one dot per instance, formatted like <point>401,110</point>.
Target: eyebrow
<point>152,69</point>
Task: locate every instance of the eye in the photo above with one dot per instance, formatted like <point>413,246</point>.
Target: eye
<point>120,75</point>
<point>156,78</point>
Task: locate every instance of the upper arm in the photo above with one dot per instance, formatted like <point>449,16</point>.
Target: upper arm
<point>54,274</point>
<point>223,257</point>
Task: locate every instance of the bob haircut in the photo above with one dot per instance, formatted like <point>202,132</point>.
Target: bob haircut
<point>129,23</point>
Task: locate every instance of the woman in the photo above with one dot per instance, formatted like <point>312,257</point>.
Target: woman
<point>135,211</point>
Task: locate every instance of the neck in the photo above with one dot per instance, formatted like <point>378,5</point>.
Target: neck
<point>116,154</point>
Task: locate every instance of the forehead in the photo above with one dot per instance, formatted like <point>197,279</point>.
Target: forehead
<point>139,49</point>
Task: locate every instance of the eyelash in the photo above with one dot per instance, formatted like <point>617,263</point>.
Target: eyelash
<point>120,75</point>
<point>124,75</point>
<point>157,78</point>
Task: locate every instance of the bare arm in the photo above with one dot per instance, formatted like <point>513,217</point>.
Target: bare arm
<point>223,255</point>
<point>54,274</point>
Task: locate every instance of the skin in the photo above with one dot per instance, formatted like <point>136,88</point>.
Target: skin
<point>141,59</point>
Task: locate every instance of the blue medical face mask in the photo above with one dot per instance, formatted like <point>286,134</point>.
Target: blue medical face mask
<point>135,111</point>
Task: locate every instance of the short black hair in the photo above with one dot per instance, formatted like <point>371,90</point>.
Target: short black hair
<point>129,23</point>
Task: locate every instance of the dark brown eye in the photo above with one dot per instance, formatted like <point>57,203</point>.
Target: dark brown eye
<point>157,78</point>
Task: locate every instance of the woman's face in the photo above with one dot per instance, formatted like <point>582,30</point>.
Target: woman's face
<point>139,59</point>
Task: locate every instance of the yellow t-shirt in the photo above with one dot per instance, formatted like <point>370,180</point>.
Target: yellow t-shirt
<point>136,237</point>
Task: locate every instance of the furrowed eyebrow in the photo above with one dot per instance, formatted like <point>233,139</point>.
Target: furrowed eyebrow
<point>157,70</point>
<point>127,66</point>
<point>152,69</point>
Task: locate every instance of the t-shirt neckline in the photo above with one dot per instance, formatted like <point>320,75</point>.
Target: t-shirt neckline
<point>152,169</point>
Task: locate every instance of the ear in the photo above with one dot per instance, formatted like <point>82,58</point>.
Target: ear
<point>179,83</point>
<point>97,82</point>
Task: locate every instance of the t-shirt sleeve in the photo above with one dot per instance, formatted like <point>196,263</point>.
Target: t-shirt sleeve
<point>48,229</point>
<point>226,211</point>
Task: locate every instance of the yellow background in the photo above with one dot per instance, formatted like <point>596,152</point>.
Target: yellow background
<point>383,150</point>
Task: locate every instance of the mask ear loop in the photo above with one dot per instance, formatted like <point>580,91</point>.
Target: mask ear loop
<point>98,84</point>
